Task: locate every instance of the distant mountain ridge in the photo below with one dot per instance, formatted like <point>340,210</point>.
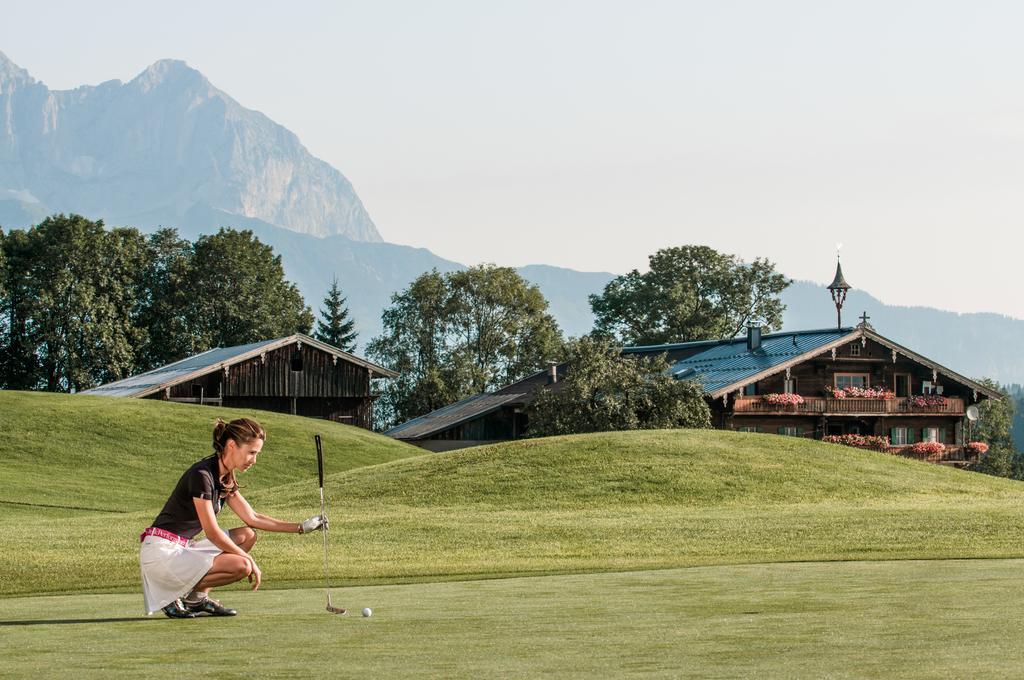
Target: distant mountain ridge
<point>148,151</point>
<point>975,345</point>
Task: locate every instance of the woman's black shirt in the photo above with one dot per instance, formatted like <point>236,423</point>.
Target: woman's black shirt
<point>202,480</point>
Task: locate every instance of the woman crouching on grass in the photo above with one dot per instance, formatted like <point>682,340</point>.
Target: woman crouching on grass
<point>178,572</point>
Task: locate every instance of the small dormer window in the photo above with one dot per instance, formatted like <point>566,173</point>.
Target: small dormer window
<point>854,349</point>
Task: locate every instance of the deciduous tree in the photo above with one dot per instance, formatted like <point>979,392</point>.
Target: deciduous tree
<point>73,287</point>
<point>605,390</point>
<point>453,335</point>
<point>234,292</point>
<point>690,293</point>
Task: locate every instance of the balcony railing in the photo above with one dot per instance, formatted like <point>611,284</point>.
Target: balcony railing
<point>952,406</point>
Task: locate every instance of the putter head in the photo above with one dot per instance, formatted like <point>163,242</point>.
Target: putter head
<point>335,610</point>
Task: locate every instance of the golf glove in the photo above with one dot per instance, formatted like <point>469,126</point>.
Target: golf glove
<point>314,523</point>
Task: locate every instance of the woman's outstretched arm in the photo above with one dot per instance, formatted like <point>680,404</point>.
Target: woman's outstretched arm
<point>241,507</point>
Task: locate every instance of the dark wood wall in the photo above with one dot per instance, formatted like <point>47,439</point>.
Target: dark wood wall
<point>324,388</point>
<point>321,376</point>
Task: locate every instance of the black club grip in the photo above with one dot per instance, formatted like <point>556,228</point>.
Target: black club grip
<point>320,461</point>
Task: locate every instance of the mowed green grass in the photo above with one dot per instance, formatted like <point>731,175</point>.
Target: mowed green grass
<point>605,502</point>
<point>904,619</point>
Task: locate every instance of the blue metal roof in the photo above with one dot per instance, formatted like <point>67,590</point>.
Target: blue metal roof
<point>728,362</point>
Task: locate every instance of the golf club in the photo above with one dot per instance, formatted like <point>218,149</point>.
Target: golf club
<point>323,514</point>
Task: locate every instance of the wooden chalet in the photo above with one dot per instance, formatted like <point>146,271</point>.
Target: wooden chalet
<point>846,381</point>
<point>295,374</point>
<point>816,383</point>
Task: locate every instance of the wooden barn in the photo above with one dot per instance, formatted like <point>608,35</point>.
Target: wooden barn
<point>296,374</point>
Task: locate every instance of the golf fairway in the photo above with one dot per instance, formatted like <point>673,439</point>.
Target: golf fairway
<point>949,618</point>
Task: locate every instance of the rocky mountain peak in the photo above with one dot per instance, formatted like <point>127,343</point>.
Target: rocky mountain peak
<point>161,147</point>
<point>170,73</point>
<point>11,72</point>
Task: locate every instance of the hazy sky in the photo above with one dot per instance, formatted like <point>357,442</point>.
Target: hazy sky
<point>590,134</point>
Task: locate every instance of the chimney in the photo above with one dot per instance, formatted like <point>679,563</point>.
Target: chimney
<point>753,337</point>
<point>552,373</point>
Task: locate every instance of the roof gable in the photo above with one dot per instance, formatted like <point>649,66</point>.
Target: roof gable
<point>727,365</point>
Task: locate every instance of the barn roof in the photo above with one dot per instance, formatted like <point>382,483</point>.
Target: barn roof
<point>449,416</point>
<point>145,384</point>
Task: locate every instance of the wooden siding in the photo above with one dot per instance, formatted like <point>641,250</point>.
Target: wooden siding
<point>324,388</point>
<point>320,376</point>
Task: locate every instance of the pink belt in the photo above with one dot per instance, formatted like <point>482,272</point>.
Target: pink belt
<point>161,533</point>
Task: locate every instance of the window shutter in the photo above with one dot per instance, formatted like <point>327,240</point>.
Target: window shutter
<point>892,435</point>
<point>782,430</point>
<point>941,435</point>
<point>799,432</point>
<point>911,434</point>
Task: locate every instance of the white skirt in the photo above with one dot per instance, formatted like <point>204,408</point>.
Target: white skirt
<point>170,569</point>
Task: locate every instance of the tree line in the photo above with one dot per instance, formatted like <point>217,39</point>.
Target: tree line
<point>82,305</point>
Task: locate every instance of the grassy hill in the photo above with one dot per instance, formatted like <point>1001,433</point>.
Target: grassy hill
<point>604,502</point>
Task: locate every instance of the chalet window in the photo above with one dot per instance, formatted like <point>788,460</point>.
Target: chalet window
<point>933,434</point>
<point>748,428</point>
<point>900,436</point>
<point>750,390</point>
<point>789,386</point>
<point>297,362</point>
<point>847,380</point>
<point>901,385</point>
<point>790,430</point>
<point>927,387</point>
<point>854,349</point>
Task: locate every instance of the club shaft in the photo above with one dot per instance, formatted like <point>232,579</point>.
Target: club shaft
<point>327,581</point>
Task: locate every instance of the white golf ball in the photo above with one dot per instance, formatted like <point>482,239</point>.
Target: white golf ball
<point>367,611</point>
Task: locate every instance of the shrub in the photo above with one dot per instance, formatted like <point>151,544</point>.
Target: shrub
<point>605,390</point>
<point>860,441</point>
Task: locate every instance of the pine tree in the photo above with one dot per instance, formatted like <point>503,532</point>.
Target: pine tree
<point>334,327</point>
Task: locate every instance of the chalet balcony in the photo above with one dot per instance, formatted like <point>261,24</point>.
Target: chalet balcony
<point>951,406</point>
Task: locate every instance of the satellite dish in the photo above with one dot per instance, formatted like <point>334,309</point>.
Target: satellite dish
<point>972,413</point>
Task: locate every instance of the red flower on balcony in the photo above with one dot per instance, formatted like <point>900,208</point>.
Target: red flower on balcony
<point>860,393</point>
<point>860,441</point>
<point>926,448</point>
<point>926,402</point>
<point>976,448</point>
<point>788,400</point>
